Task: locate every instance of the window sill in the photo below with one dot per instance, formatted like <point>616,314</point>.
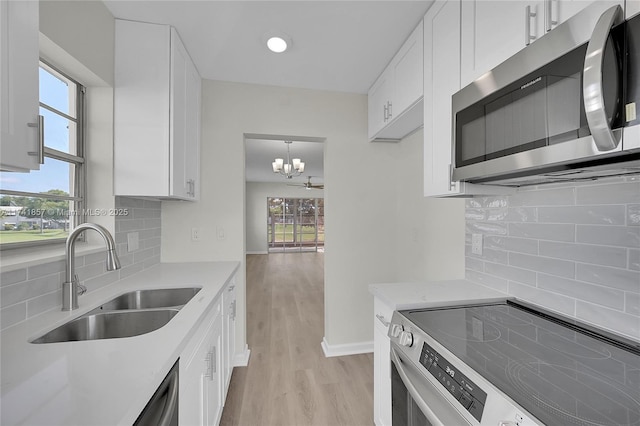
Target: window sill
<point>26,257</point>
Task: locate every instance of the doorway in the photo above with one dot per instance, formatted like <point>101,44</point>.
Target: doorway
<point>295,224</point>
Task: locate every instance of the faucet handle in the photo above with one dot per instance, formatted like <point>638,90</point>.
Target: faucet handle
<point>81,288</point>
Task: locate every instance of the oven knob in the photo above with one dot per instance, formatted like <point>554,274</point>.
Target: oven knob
<point>396,329</point>
<point>406,338</point>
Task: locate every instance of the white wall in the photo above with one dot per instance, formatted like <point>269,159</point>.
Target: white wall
<point>430,231</point>
<point>359,232</point>
<point>256,208</point>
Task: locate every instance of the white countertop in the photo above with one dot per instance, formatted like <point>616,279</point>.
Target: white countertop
<point>432,294</point>
<point>101,382</point>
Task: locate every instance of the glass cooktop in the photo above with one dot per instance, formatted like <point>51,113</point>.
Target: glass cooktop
<point>559,372</point>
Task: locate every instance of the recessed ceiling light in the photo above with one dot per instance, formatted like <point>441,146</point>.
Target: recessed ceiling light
<point>278,44</point>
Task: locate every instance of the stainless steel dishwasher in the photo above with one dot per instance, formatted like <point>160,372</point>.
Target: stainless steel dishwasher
<point>162,408</point>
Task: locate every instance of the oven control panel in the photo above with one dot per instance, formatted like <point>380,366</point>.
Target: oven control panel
<point>470,396</point>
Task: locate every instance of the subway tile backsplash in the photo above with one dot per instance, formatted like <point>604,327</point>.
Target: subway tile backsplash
<point>31,291</point>
<point>572,248</point>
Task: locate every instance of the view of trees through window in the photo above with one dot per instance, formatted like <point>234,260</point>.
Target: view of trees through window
<point>42,205</point>
<point>295,224</point>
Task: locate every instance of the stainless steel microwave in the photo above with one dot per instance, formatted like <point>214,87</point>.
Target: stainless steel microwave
<point>561,109</point>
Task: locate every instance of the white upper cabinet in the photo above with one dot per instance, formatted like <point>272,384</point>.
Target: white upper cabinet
<point>21,141</point>
<point>156,114</point>
<point>492,31</point>
<point>395,99</point>
<point>441,81</point>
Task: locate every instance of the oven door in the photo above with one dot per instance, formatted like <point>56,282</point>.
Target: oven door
<point>415,401</point>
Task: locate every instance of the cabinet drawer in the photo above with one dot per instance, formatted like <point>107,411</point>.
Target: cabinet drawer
<point>189,351</point>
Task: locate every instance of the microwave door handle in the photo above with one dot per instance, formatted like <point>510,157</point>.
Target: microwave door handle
<point>592,81</point>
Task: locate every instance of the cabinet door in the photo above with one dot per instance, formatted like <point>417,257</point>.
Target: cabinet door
<point>408,74</point>
<point>492,31</point>
<point>141,109</point>
<point>212,385</point>
<point>192,152</point>
<point>441,81</point>
<point>19,55</point>
<point>178,118</point>
<point>229,333</point>
<point>185,121</point>
<point>379,98</point>
<point>381,364</point>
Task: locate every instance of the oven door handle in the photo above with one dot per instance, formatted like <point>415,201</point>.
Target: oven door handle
<point>448,414</point>
<point>592,87</point>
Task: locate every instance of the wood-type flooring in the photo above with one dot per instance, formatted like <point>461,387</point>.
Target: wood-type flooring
<point>289,381</point>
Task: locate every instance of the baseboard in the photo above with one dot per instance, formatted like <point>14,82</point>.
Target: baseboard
<point>346,349</point>
<point>242,359</point>
<point>257,252</point>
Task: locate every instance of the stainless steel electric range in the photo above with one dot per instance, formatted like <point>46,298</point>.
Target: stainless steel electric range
<point>509,363</point>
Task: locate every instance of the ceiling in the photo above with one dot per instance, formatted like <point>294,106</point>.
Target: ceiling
<point>336,45</point>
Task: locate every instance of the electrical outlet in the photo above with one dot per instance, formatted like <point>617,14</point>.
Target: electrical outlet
<point>133,241</point>
<point>476,244</point>
<point>195,234</point>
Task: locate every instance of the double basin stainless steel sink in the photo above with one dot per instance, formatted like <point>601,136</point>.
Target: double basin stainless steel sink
<point>130,314</point>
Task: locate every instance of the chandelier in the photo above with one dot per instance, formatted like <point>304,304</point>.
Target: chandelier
<point>293,167</point>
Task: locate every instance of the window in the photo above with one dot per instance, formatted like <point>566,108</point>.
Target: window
<point>295,224</point>
<point>41,206</point>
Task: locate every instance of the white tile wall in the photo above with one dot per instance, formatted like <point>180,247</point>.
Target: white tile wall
<point>572,248</point>
<point>30,291</point>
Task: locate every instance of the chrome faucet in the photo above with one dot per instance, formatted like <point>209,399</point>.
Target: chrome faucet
<point>71,288</point>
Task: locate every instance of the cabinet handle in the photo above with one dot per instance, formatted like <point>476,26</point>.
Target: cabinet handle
<point>210,366</point>
<point>382,320</point>
<point>231,287</point>
<point>191,187</point>
<point>452,184</point>
<point>384,113</point>
<point>40,152</point>
<point>390,109</point>
<point>549,21</point>
<point>528,37</point>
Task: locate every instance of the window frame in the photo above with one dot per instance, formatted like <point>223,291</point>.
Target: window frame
<point>79,184</point>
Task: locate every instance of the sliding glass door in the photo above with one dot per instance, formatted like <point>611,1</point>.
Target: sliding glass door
<point>295,224</point>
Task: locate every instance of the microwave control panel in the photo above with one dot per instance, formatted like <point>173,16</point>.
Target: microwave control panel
<point>470,396</point>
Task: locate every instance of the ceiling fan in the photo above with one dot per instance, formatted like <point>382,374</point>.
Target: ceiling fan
<point>308,184</point>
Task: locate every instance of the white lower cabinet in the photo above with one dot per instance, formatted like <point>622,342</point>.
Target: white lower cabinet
<point>203,371</point>
<point>381,364</point>
<point>229,327</point>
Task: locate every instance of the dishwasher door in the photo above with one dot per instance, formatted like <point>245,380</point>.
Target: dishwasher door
<point>162,408</point>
